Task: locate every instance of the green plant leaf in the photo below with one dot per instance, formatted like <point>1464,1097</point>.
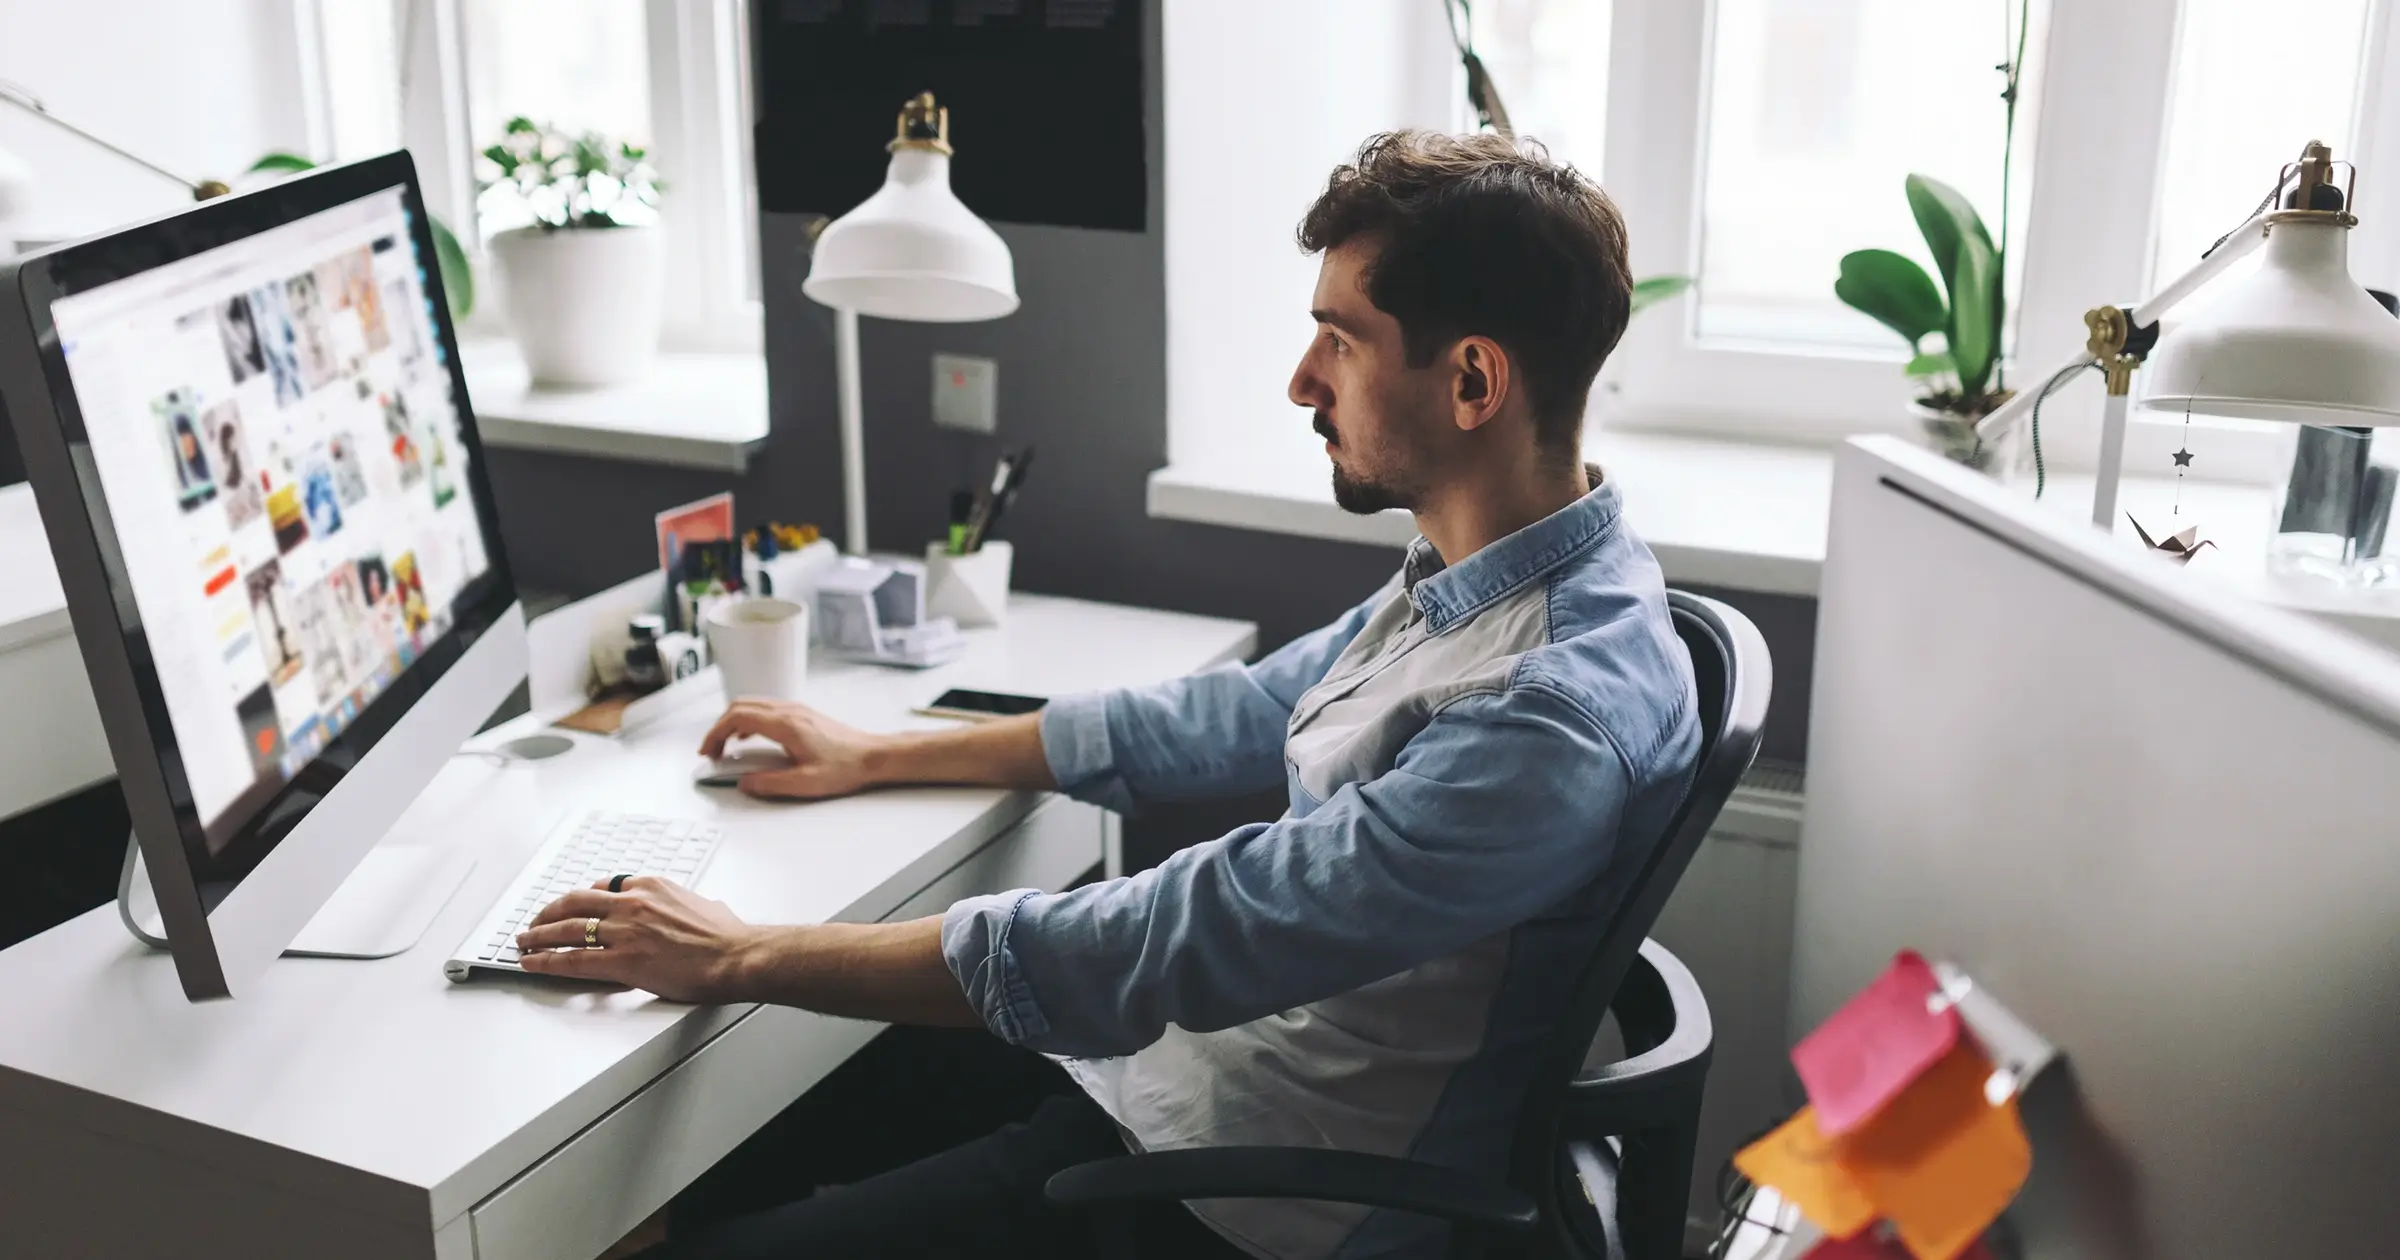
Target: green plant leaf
<point>1653,290</point>
<point>282,162</point>
<point>458,275</point>
<point>1931,363</point>
<point>1974,315</point>
<point>1945,219</point>
<point>1893,291</point>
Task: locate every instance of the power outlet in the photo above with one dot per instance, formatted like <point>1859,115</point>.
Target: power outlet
<point>966,393</point>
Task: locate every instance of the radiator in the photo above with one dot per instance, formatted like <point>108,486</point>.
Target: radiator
<point>1730,921</point>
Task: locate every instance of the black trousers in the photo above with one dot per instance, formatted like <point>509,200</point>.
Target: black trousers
<point>928,1143</point>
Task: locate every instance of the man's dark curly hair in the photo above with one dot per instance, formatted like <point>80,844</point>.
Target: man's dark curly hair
<point>1483,235</point>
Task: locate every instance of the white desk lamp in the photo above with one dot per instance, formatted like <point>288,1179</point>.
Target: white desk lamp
<point>912,251</point>
<point>2298,341</point>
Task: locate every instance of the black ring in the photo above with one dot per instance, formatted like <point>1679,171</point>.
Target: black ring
<point>616,883</point>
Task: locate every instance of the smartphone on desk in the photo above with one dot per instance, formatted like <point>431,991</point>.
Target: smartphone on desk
<point>979,706</point>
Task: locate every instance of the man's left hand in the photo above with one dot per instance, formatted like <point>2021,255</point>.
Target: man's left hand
<point>655,935</point>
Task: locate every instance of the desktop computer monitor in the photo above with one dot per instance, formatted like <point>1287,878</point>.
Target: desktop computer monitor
<point>248,434</point>
<point>2153,819</point>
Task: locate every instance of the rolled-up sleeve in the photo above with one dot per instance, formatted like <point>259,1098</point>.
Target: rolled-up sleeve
<point>1497,808</point>
<point>1215,733</point>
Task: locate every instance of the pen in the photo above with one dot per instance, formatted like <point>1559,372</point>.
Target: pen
<point>1008,493</point>
<point>981,518</point>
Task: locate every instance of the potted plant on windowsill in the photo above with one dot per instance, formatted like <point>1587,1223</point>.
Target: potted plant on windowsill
<point>1960,378</point>
<point>1963,379</point>
<point>584,279</point>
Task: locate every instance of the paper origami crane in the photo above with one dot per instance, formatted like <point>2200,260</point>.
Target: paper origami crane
<point>2179,546</point>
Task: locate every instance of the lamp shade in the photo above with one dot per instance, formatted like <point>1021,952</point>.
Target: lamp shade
<point>913,251</point>
<point>2296,340</point>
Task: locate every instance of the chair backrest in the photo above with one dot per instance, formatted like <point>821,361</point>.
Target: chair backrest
<point>1733,673</point>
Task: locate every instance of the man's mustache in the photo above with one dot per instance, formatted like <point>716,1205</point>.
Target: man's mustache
<point>1324,428</point>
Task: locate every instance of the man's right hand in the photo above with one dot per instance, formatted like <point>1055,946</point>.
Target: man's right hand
<point>829,759</point>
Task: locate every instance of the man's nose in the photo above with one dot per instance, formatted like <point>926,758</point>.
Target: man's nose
<point>1306,389</point>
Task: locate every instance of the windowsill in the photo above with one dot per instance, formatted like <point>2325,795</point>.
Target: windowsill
<point>706,411</point>
<point>1751,516</point>
<point>1746,516</point>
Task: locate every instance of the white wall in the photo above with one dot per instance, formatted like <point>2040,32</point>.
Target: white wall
<point>202,87</point>
<point>1263,98</point>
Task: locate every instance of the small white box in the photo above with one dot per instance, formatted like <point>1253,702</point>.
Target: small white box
<point>971,589</point>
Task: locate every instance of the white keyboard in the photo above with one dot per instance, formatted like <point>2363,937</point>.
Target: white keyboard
<point>584,850</point>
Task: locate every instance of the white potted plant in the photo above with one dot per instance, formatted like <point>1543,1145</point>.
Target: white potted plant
<point>583,280</point>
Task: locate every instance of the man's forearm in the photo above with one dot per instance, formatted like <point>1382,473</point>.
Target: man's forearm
<point>1006,752</point>
<point>892,972</point>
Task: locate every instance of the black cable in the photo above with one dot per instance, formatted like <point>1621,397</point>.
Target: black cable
<point>1482,94</point>
<point>2056,382</point>
<point>1735,1194</point>
<point>2263,203</point>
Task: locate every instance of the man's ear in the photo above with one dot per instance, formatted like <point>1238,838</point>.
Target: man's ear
<point>1481,376</point>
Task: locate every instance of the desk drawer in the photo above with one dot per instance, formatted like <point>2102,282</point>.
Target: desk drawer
<point>607,1179</point>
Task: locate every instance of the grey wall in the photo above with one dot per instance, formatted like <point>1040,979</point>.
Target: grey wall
<point>1083,377</point>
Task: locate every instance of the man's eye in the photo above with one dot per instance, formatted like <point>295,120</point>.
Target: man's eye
<point>1334,340</point>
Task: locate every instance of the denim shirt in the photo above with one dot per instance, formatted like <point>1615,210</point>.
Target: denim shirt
<point>1477,760</point>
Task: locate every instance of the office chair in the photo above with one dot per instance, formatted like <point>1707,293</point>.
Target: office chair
<point>1570,1192</point>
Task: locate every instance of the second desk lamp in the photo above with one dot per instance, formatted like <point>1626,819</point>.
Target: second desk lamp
<point>912,251</point>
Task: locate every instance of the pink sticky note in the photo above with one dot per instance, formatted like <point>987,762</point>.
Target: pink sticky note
<point>1869,1245</point>
<point>1881,1040</point>
<point>1865,1245</point>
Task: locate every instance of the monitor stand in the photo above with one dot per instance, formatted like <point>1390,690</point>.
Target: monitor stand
<point>381,910</point>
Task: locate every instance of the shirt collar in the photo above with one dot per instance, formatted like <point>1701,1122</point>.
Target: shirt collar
<point>1448,595</point>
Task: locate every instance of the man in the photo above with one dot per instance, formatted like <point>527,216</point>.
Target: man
<point>1478,758</point>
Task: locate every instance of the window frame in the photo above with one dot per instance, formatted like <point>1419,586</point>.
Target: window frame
<point>2112,62</point>
<point>701,110</point>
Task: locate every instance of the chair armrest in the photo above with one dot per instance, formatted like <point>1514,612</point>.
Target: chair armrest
<point>1651,1087</point>
<point>1296,1172</point>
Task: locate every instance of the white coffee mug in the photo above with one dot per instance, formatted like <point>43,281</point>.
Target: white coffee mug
<point>761,646</point>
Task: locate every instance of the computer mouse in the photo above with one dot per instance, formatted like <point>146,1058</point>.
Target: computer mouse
<point>727,771</point>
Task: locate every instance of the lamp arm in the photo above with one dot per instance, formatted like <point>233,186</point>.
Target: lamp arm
<point>16,95</point>
<point>2244,241</point>
<point>2013,412</point>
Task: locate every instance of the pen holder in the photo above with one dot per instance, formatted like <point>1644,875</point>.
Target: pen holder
<point>971,589</point>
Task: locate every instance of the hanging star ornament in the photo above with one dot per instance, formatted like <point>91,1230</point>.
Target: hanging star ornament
<point>2183,459</point>
<point>2179,546</point>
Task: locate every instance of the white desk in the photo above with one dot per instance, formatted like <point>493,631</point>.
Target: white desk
<point>374,1110</point>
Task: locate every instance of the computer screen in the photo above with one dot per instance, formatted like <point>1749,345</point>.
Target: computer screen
<point>272,425</point>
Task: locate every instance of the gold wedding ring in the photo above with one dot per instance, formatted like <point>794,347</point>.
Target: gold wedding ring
<point>591,933</point>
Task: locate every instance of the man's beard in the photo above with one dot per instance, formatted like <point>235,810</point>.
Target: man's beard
<point>1358,495</point>
<point>1366,498</point>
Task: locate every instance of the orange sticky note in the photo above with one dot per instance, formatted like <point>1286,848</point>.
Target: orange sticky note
<point>1940,1162</point>
<point>1804,1167</point>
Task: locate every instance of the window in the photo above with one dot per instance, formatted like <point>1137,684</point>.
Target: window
<point>576,65</point>
<point>441,77</point>
<point>1550,60</point>
<point>2252,83</point>
<point>360,65</point>
<point>1753,142</point>
<point>1818,110</point>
